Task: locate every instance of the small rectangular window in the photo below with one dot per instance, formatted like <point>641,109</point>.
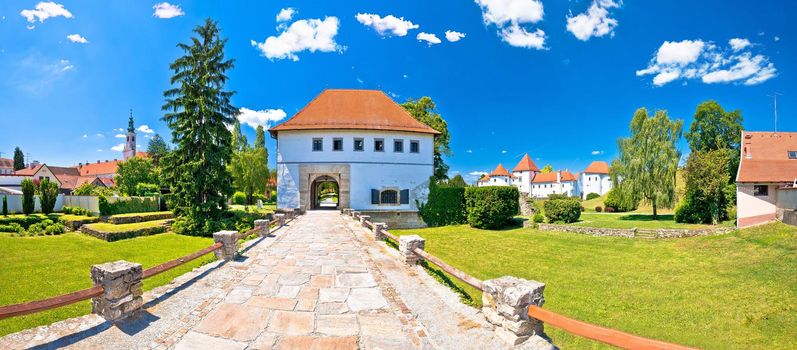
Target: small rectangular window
<point>792,154</point>
<point>318,145</point>
<point>379,145</point>
<point>389,197</point>
<point>359,144</point>
<point>398,146</point>
<point>761,190</point>
<point>415,147</point>
<point>337,144</point>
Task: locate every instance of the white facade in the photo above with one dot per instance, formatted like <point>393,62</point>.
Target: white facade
<point>594,183</point>
<point>523,180</point>
<point>544,189</point>
<point>496,181</point>
<point>369,170</point>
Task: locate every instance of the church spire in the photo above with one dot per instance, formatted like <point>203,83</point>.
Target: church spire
<point>130,127</point>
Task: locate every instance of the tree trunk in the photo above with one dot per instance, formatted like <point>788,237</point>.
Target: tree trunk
<point>654,209</point>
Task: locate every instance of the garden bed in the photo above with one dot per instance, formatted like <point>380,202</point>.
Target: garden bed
<point>139,217</point>
<point>110,232</point>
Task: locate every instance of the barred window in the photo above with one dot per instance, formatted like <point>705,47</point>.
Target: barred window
<point>388,197</point>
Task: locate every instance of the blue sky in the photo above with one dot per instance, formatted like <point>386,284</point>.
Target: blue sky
<point>520,80</point>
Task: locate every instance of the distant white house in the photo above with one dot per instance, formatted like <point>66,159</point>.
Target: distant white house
<point>765,182</point>
<point>525,171</point>
<point>595,179</point>
<point>557,182</point>
<point>498,177</point>
<point>377,155</point>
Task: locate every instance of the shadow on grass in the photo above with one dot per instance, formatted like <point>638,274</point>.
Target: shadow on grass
<point>443,278</point>
<point>647,217</point>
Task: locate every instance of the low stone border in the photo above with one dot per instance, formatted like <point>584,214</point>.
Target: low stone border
<point>635,232</point>
<point>75,225</point>
<point>116,220</point>
<point>115,236</point>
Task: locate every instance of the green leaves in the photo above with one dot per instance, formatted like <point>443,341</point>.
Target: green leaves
<point>423,110</point>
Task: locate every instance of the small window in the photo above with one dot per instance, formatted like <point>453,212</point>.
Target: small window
<point>379,145</point>
<point>415,146</point>
<point>359,144</point>
<point>398,146</point>
<point>318,145</point>
<point>792,154</point>
<point>337,144</point>
<point>389,197</point>
<point>761,190</point>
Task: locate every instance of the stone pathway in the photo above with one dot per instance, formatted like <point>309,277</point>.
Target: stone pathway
<point>321,283</point>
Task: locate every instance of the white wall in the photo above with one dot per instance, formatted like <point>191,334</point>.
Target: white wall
<point>594,183</point>
<point>523,181</point>
<point>542,190</point>
<point>15,203</point>
<point>368,169</point>
<point>496,181</point>
<point>91,203</point>
<point>748,205</point>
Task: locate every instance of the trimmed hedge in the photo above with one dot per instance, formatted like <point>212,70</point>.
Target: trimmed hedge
<point>140,217</point>
<point>592,195</point>
<point>491,207</point>
<point>132,205</point>
<point>115,236</point>
<point>445,206</point>
<point>562,210</point>
<point>613,200</point>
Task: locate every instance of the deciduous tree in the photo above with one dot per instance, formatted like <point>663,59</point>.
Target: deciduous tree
<point>423,110</point>
<point>135,171</point>
<point>714,128</point>
<point>706,178</point>
<point>547,169</point>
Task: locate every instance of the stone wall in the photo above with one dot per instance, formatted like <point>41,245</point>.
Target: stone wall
<point>634,232</point>
<point>115,236</point>
<point>398,219</point>
<point>129,219</point>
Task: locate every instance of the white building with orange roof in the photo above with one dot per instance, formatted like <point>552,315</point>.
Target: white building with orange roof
<point>524,173</point>
<point>557,182</point>
<point>498,177</point>
<point>373,151</point>
<point>595,179</point>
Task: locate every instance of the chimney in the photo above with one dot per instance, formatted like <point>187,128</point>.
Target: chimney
<point>114,159</point>
<point>559,176</point>
<point>79,165</point>
<point>98,161</point>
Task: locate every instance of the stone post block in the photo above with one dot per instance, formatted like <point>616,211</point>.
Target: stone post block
<point>356,215</point>
<point>505,305</point>
<point>229,239</point>
<point>263,227</point>
<point>280,219</point>
<point>407,245</point>
<point>122,283</point>
<point>378,234</point>
<point>363,219</point>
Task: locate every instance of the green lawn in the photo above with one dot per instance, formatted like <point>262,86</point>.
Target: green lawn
<point>626,220</point>
<point>733,291</point>
<point>33,268</point>
<point>108,227</point>
<point>140,214</point>
<point>267,207</point>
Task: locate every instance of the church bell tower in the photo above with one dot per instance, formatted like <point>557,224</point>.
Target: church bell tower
<point>130,141</point>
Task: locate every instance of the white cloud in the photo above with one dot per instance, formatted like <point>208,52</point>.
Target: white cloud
<point>738,44</point>
<point>777,38</point>
<point>119,130</point>
<point>286,14</point>
<point>475,175</point>
<point>85,136</point>
<point>120,136</point>
<point>595,22</point>
<point>388,25</point>
<point>100,135</point>
<point>303,35</point>
<point>503,152</point>
<point>118,148</point>
<point>596,153</point>
<point>264,117</point>
<point>166,10</point>
<point>146,129</point>
<point>429,38</point>
<point>454,36</point>
<point>99,150</point>
<point>45,10</point>
<point>696,59</point>
<point>469,151</point>
<point>509,16</point>
<point>76,38</point>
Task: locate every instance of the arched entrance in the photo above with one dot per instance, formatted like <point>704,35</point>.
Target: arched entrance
<point>325,193</point>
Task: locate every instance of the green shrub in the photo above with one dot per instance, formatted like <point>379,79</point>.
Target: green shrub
<point>691,211</point>
<point>147,190</point>
<point>76,211</point>
<point>48,194</point>
<point>538,218</point>
<point>491,207</point>
<point>237,220</point>
<point>618,204</point>
<point>592,195</point>
<point>28,190</point>
<point>239,198</point>
<point>562,210</point>
<point>731,213</point>
<point>5,205</point>
<point>444,206</point>
<point>132,205</point>
<point>11,227</point>
<point>46,227</point>
<point>258,196</point>
<point>558,196</point>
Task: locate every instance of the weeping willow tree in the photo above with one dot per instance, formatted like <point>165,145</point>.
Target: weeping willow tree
<point>198,111</point>
<point>648,161</point>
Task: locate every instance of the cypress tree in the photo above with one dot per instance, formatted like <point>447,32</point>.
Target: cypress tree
<point>19,159</point>
<point>198,112</point>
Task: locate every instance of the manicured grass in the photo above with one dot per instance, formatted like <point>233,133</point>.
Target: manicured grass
<point>108,227</point>
<point>625,220</point>
<point>40,267</point>
<point>267,207</point>
<point>732,291</point>
<point>140,214</point>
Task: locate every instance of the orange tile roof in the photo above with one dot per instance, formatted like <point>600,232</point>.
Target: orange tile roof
<point>144,155</point>
<point>28,171</point>
<point>101,168</point>
<point>6,163</point>
<point>526,164</point>
<point>353,109</point>
<point>597,167</point>
<point>484,177</point>
<point>769,158</point>
<point>500,171</point>
<point>551,177</point>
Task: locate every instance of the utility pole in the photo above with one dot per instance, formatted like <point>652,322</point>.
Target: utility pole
<point>775,100</point>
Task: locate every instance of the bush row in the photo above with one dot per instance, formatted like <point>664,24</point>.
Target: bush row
<point>237,220</point>
<point>132,205</point>
<point>491,207</point>
<point>564,210</point>
<point>445,206</point>
<point>129,219</point>
<point>41,228</point>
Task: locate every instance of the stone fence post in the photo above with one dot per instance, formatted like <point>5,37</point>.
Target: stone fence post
<point>505,305</point>
<point>407,245</point>
<point>122,283</point>
<point>280,219</point>
<point>363,219</point>
<point>263,227</point>
<point>356,214</point>
<point>229,241</point>
<point>378,234</point>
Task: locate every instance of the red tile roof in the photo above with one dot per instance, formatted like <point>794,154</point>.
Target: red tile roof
<point>28,171</point>
<point>353,109</point>
<point>768,154</point>
<point>101,168</point>
<point>551,177</point>
<point>6,163</point>
<point>500,171</point>
<point>526,164</point>
<point>597,167</point>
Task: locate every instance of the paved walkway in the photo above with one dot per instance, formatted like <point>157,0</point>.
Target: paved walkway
<point>322,282</point>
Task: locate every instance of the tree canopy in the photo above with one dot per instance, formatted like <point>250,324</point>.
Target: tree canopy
<point>423,110</point>
<point>19,159</point>
<point>648,161</point>
<point>136,171</point>
<point>713,129</point>
<point>706,179</point>
<point>198,112</point>
<point>157,149</point>
<point>260,137</point>
<point>547,169</point>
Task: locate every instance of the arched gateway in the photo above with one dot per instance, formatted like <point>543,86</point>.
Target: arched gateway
<point>355,149</point>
